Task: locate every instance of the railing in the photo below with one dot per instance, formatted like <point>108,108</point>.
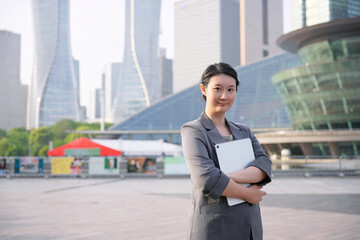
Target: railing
<point>305,166</point>
<point>316,165</point>
<point>32,168</point>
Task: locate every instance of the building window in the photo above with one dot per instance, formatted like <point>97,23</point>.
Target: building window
<point>265,22</point>
<point>339,125</point>
<point>265,53</point>
<point>304,13</point>
<point>355,125</point>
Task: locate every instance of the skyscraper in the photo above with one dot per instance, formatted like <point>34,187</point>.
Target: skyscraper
<point>234,31</point>
<point>54,90</point>
<point>308,13</point>
<point>12,94</point>
<point>206,31</point>
<point>98,103</point>
<point>139,81</point>
<point>165,73</point>
<point>111,75</point>
<point>261,23</point>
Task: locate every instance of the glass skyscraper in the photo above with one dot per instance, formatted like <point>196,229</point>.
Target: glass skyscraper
<point>54,90</point>
<point>311,12</point>
<point>139,78</point>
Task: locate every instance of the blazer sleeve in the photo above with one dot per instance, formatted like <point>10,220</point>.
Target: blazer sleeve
<point>262,160</point>
<point>204,174</point>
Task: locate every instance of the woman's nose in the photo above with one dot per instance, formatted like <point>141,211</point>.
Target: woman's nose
<point>223,95</point>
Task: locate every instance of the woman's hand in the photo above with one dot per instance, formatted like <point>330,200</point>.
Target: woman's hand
<point>251,194</point>
<point>254,194</point>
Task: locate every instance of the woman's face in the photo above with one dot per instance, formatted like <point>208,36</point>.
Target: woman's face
<point>220,93</point>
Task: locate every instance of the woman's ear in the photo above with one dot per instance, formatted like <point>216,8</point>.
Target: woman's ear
<point>203,89</point>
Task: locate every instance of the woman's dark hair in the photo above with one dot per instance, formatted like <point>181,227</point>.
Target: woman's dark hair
<point>217,69</point>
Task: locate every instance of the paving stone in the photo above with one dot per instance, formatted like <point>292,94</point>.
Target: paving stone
<point>158,209</point>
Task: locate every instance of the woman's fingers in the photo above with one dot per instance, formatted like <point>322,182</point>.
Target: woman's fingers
<point>256,186</point>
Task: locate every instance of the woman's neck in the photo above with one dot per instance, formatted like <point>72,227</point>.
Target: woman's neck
<point>219,122</point>
<point>217,119</point>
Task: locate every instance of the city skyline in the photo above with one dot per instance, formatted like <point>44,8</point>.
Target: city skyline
<point>100,17</point>
<point>93,51</point>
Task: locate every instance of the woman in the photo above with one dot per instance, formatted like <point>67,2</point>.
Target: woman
<point>211,217</point>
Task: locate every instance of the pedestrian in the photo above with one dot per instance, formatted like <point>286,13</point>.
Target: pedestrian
<point>211,216</point>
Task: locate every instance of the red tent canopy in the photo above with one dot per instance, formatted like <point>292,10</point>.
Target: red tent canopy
<point>86,144</point>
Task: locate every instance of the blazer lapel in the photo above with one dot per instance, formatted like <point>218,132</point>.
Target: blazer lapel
<point>212,131</point>
<point>236,131</point>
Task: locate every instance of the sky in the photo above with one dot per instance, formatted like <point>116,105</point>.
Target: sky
<point>96,32</point>
<point>96,35</point>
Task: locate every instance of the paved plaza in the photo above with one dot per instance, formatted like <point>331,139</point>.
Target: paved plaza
<point>150,208</point>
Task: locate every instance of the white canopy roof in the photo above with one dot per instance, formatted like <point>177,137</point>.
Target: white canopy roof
<point>141,148</point>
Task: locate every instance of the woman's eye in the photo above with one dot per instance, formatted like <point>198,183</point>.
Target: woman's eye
<point>217,89</point>
<point>231,90</point>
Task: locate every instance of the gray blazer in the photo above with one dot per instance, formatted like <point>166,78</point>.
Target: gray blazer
<point>211,217</point>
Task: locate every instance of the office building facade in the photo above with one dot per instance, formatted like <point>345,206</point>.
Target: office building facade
<point>138,85</point>
<point>165,74</point>
<point>261,23</point>
<point>98,103</point>
<point>54,89</point>
<point>205,32</point>
<point>13,95</point>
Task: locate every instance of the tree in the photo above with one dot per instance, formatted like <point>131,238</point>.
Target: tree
<point>43,151</point>
<point>18,140</point>
<point>4,146</point>
<point>40,138</point>
<point>35,148</point>
<point>2,133</point>
<point>58,142</point>
<point>73,136</point>
<point>8,148</point>
<point>42,135</point>
<point>60,128</point>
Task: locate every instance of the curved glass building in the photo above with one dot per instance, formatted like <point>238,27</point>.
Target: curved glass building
<point>138,85</point>
<point>323,95</point>
<point>257,103</point>
<point>54,90</point>
<point>325,92</point>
